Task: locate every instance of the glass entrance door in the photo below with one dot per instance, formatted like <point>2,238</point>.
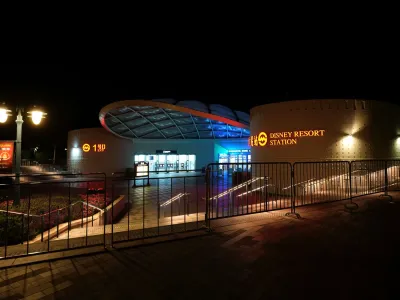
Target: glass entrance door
<point>183,162</point>
<point>191,163</point>
<point>223,158</point>
<point>168,162</point>
<point>171,162</point>
<point>151,159</point>
<point>161,163</point>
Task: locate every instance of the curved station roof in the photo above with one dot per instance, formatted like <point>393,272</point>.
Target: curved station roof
<point>171,119</point>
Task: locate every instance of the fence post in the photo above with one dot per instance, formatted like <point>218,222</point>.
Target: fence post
<point>29,211</point>
<point>230,204</point>
<point>350,183</point>
<point>105,211</point>
<point>41,228</point>
<point>69,212</point>
<point>207,215</point>
<point>82,213</point>
<point>6,231</point>
<point>188,205</point>
<point>143,204</point>
<point>112,215</point>
<point>49,225</point>
<point>386,179</point>
<point>184,202</point>
<point>129,205</point>
<point>292,198</point>
<point>386,194</point>
<point>292,190</point>
<point>350,206</point>
<point>58,218</point>
<point>22,228</point>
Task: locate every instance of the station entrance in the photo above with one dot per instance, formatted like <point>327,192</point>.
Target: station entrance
<point>168,162</point>
<point>238,160</point>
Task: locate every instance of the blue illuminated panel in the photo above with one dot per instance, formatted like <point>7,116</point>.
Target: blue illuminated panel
<point>235,156</point>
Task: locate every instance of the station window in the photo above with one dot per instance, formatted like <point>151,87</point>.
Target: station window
<point>168,162</point>
<point>236,159</point>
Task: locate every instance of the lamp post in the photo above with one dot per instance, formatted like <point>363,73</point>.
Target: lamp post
<point>54,155</point>
<point>36,115</point>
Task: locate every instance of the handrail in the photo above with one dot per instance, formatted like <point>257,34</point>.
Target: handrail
<point>66,173</point>
<point>57,209</point>
<point>18,213</point>
<point>173,199</point>
<point>256,189</point>
<point>243,184</point>
<point>87,204</point>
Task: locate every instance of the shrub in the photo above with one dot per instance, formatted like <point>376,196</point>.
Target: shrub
<point>39,206</point>
<point>16,231</point>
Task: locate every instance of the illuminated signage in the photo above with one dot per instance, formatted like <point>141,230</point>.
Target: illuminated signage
<point>6,155</point>
<point>240,151</point>
<point>99,147</point>
<point>166,151</point>
<point>262,139</point>
<point>141,169</point>
<point>95,147</point>
<point>282,138</point>
<point>86,147</point>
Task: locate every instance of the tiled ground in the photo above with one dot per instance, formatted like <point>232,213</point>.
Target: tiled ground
<point>328,254</point>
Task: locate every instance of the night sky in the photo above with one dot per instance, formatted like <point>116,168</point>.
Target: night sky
<point>73,95</point>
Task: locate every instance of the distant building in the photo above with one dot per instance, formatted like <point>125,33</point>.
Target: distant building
<point>325,130</point>
<point>172,136</point>
<point>181,136</point>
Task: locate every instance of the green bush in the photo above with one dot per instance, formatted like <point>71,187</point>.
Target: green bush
<point>16,231</point>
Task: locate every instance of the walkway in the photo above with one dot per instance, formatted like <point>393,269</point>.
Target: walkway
<point>328,254</point>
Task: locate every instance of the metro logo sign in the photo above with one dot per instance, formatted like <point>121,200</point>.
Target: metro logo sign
<point>262,139</point>
<point>282,138</point>
<point>258,140</point>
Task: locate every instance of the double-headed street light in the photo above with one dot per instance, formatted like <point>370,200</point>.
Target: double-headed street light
<point>36,115</point>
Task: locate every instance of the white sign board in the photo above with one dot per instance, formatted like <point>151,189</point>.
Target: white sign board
<point>142,169</point>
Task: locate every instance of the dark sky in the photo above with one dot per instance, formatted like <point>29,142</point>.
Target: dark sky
<point>73,94</point>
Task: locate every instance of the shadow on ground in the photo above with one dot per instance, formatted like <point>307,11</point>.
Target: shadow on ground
<point>329,254</point>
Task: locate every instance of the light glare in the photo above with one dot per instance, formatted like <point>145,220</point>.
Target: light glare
<point>348,140</point>
<point>3,115</point>
<point>76,152</point>
<point>37,117</point>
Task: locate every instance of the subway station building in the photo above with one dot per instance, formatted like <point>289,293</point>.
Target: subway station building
<point>172,136</point>
<point>325,130</point>
<point>180,136</point>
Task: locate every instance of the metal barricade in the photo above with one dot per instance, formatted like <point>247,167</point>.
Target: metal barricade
<point>318,182</point>
<point>164,206</point>
<point>52,216</point>
<point>235,189</point>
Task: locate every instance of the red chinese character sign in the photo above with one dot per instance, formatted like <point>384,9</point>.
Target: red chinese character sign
<point>6,156</point>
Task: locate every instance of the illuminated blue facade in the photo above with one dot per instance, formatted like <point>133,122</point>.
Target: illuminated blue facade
<point>175,136</point>
<point>171,119</point>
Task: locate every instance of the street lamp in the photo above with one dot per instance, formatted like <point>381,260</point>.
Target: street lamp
<point>4,113</point>
<point>36,115</point>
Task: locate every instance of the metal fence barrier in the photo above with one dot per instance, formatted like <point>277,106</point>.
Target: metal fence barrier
<point>82,210</point>
<point>243,188</point>
<point>164,206</point>
<point>66,211</point>
<point>317,182</point>
<point>246,188</point>
<point>50,216</point>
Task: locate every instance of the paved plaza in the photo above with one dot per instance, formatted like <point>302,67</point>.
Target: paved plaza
<point>328,253</point>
